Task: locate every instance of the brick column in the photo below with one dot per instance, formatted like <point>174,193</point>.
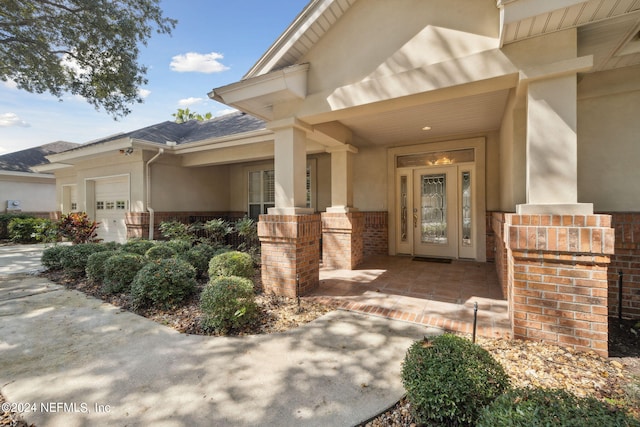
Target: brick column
<point>558,278</point>
<point>137,225</point>
<point>342,239</point>
<point>290,246</point>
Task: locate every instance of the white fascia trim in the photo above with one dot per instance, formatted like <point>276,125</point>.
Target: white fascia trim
<point>49,167</point>
<point>27,175</point>
<point>90,150</point>
<point>236,140</point>
<point>314,10</point>
<point>519,10</point>
<point>291,80</point>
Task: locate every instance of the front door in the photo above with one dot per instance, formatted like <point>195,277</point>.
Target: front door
<point>434,212</point>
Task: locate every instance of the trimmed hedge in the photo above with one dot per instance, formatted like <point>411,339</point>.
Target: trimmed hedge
<point>163,283</point>
<point>228,303</point>
<point>545,407</point>
<point>139,247</point>
<point>74,258</point>
<point>52,257</point>
<point>119,271</point>
<point>160,251</point>
<point>199,256</point>
<point>449,380</point>
<point>232,263</point>
<point>96,263</point>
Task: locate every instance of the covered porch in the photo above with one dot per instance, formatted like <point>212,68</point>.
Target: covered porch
<point>436,294</point>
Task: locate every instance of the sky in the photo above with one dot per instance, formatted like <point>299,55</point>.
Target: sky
<point>214,43</point>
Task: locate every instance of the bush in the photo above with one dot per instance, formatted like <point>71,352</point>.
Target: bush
<point>228,303</point>
<point>217,231</point>
<point>180,246</point>
<point>176,230</point>
<point>160,251</point>
<point>544,407</point>
<point>52,257</point>
<point>74,258</point>
<point>119,271</point>
<point>31,230</point>
<point>96,263</point>
<point>4,222</point>
<point>449,380</point>
<point>247,228</point>
<point>163,283</point>
<point>77,227</point>
<point>199,257</point>
<point>137,246</point>
<point>232,263</point>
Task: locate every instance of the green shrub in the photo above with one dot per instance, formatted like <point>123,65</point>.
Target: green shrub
<point>137,246</point>
<point>112,246</point>
<point>77,227</point>
<point>180,246</point>
<point>4,222</point>
<point>544,407</point>
<point>120,270</point>
<point>96,263</point>
<point>248,229</point>
<point>160,251</point>
<point>74,258</point>
<point>232,263</point>
<point>52,256</point>
<point>163,283</point>
<point>199,257</point>
<point>449,380</point>
<point>31,230</point>
<point>228,303</point>
<point>217,231</point>
<point>176,230</point>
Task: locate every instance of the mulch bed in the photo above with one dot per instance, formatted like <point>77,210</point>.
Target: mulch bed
<point>528,363</point>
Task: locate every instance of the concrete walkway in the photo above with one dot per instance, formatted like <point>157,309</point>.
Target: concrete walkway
<point>78,362</point>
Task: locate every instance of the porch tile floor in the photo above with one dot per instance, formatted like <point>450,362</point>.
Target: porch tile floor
<point>432,294</point>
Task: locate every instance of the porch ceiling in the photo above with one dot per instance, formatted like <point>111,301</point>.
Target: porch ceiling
<point>476,113</point>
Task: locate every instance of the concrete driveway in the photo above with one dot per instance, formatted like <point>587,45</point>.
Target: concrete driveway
<point>71,360</point>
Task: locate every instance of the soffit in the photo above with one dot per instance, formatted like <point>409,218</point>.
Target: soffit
<point>465,115</point>
<point>607,29</point>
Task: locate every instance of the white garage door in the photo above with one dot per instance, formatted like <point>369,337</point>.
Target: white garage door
<point>112,201</point>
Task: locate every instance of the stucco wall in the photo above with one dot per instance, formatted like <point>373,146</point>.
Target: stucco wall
<point>108,165</point>
<point>469,26</point>
<point>608,148</point>
<point>174,188</point>
<point>34,194</point>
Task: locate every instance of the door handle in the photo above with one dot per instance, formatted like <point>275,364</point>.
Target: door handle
<point>415,218</point>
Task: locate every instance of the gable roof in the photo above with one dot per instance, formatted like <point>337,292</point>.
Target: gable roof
<point>191,131</point>
<point>520,20</point>
<point>307,28</point>
<point>24,160</point>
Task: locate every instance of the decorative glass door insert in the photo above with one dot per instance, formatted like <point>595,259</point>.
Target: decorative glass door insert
<point>433,207</point>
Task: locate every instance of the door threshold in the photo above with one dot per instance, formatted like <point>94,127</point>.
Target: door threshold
<point>432,259</point>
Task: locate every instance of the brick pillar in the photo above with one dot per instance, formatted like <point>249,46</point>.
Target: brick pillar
<point>558,278</point>
<point>290,246</point>
<point>137,225</point>
<point>342,239</point>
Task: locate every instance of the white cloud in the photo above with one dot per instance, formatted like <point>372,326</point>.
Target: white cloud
<point>10,84</point>
<point>187,102</point>
<point>223,112</point>
<point>144,93</point>
<point>198,62</point>
<point>12,119</point>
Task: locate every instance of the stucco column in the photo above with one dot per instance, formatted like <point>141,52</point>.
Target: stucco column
<point>342,178</point>
<point>552,148</point>
<point>290,161</point>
